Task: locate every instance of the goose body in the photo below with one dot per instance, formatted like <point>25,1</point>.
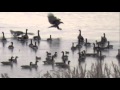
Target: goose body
<point>27,66</point>
<point>49,62</point>
<point>7,62</point>
<point>63,64</point>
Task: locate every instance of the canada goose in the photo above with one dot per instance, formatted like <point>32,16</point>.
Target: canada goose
<point>11,46</point>
<point>3,38</point>
<point>49,39</point>
<point>81,57</point>
<point>87,43</point>
<point>35,46</point>
<point>90,54</point>
<point>100,43</point>
<point>31,44</point>
<point>48,53</point>
<point>7,62</point>
<point>11,59</point>
<point>54,21</point>
<point>109,46</point>
<point>104,39</point>
<point>64,57</point>
<point>101,56</point>
<point>118,55</point>
<point>35,65</point>
<point>55,55</point>
<point>27,66</point>
<point>26,35</point>
<point>15,60</point>
<point>37,37</point>
<point>50,61</point>
<point>66,52</point>
<point>73,47</point>
<point>80,37</point>
<point>38,58</point>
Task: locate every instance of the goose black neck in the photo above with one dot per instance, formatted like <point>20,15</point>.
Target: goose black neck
<point>50,36</point>
<point>100,53</point>
<point>104,35</point>
<point>26,31</point>
<point>80,32</point>
<point>35,43</point>
<point>68,62</point>
<point>36,62</point>
<point>30,63</point>
<point>63,53</point>
<point>86,40</point>
<point>108,43</point>
<point>3,35</point>
<point>12,43</point>
<point>38,33</point>
<point>31,41</point>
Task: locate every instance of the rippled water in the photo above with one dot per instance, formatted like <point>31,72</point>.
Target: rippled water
<point>92,24</point>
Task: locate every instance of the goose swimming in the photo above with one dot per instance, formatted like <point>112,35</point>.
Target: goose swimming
<point>35,65</point>
<point>3,38</point>
<point>37,37</point>
<point>27,66</point>
<point>11,46</point>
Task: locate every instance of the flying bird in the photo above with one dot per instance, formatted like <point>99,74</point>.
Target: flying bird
<point>54,21</point>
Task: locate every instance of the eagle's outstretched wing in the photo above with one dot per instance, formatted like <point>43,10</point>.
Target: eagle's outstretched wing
<point>53,20</point>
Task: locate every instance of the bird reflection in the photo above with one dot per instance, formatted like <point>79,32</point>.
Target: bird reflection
<point>54,44</point>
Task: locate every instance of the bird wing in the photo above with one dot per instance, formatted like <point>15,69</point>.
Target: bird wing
<point>52,19</point>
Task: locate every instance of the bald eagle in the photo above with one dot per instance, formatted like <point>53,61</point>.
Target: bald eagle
<point>54,21</point>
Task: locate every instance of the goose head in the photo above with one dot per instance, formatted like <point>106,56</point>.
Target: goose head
<point>3,34</point>
<point>12,43</point>
<point>104,35</point>
<point>69,62</point>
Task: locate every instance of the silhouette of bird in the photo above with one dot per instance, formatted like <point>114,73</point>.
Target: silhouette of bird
<point>54,21</point>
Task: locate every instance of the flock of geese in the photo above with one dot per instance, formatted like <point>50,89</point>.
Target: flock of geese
<point>98,48</point>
